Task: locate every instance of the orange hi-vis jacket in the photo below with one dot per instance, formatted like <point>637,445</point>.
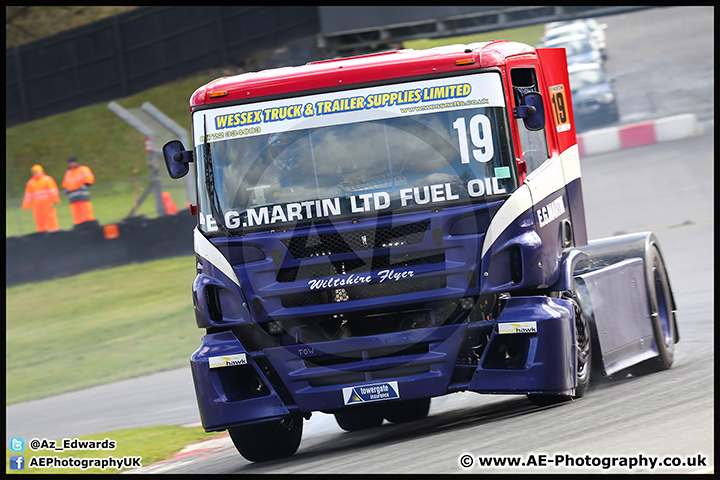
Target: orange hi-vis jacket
<point>40,195</point>
<point>40,191</point>
<point>74,182</point>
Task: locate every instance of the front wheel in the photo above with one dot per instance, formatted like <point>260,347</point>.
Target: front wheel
<point>259,442</point>
<point>583,359</point>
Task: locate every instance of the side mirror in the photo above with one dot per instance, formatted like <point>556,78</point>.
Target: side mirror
<point>531,111</point>
<point>177,158</point>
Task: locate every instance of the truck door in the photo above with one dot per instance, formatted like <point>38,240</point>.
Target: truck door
<point>560,125</point>
<point>533,146</point>
<point>545,178</point>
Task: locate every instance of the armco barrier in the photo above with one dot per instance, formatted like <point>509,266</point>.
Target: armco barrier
<point>44,256</point>
<point>645,133</point>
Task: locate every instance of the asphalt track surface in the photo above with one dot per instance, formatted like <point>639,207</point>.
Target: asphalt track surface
<point>666,188</point>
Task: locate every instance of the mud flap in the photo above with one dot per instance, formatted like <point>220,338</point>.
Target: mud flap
<point>621,297</point>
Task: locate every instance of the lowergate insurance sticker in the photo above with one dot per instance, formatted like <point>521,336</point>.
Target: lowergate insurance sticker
<point>370,393</point>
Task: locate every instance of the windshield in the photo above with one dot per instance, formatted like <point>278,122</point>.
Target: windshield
<point>572,47</point>
<point>567,30</point>
<point>580,79</point>
<point>355,153</point>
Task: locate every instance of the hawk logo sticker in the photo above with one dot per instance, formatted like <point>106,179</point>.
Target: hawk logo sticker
<point>228,360</point>
<point>370,393</point>
<point>518,327</point>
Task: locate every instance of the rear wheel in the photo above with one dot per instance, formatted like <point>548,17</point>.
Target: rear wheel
<point>663,319</point>
<point>407,410</point>
<point>359,418</point>
<point>259,442</point>
<point>583,359</point>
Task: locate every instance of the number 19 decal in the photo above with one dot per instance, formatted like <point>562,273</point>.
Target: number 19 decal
<point>557,98</point>
<point>479,134</point>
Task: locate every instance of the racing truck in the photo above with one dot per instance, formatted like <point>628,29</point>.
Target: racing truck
<point>378,230</point>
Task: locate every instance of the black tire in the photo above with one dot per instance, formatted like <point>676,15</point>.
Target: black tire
<point>663,317</point>
<point>583,362</point>
<point>407,410</point>
<point>583,337</point>
<point>359,418</point>
<point>260,442</point>
<point>614,116</point>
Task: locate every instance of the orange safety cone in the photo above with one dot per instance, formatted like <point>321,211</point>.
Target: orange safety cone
<point>170,207</point>
<point>111,231</point>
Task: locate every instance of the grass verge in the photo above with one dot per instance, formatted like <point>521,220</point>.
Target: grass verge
<point>153,444</point>
<point>99,327</point>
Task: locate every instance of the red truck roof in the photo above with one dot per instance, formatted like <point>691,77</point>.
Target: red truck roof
<point>354,70</point>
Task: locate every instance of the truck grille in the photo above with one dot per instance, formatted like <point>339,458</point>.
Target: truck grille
<point>356,241</point>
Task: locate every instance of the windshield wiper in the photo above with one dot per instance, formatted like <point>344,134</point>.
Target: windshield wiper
<point>210,184</point>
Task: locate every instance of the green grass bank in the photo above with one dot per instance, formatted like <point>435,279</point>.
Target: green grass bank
<point>99,327</point>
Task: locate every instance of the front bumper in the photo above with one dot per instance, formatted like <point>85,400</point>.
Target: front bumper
<point>417,363</point>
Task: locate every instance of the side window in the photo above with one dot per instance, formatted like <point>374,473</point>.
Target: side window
<point>533,143</point>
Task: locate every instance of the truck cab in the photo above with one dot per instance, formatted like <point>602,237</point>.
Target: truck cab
<point>376,231</point>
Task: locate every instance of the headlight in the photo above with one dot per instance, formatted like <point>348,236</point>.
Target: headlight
<point>607,98</point>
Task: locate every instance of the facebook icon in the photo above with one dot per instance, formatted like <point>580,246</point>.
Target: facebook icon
<point>17,462</point>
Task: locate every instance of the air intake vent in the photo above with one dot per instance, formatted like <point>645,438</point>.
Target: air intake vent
<point>370,239</point>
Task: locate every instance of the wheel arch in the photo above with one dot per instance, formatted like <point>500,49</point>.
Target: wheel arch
<point>607,251</point>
